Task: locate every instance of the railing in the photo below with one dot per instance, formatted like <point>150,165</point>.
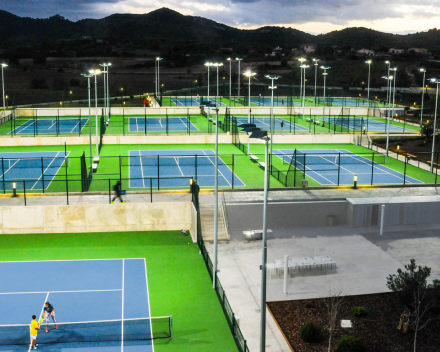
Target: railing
<point>227,309</point>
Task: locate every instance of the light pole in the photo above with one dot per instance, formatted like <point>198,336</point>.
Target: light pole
<point>272,122</point>
<point>157,76</point>
<point>230,76</point>
<point>388,74</point>
<point>325,68</point>
<point>301,62</point>
<point>106,99</point>
<point>96,73</point>
<point>303,67</point>
<point>208,64</point>
<point>369,71</point>
<point>239,73</point>
<point>394,89</point>
<point>423,95</point>
<point>436,81</point>
<point>217,65</point>
<point>88,75</point>
<point>262,135</point>
<point>315,63</point>
<point>214,274</point>
<point>389,81</point>
<point>3,85</point>
<point>249,74</point>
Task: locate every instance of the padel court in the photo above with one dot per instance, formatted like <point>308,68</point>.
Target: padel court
<point>371,125</point>
<point>159,124</point>
<point>327,166</point>
<point>264,123</point>
<point>98,303</point>
<point>30,167</point>
<point>194,102</point>
<point>51,126</point>
<point>198,164</point>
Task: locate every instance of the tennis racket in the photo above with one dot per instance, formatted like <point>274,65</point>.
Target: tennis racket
<point>40,321</point>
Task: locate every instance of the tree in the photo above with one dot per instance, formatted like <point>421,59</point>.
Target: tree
<point>419,296</point>
<point>332,303</point>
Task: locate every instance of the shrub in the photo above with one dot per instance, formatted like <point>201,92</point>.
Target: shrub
<point>358,311</point>
<point>350,344</point>
<point>310,332</point>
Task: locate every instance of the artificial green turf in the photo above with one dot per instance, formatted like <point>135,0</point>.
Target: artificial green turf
<point>178,281</point>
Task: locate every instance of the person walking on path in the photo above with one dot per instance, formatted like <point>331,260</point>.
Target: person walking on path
<point>118,192</point>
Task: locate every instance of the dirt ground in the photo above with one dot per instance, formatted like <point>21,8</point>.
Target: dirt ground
<point>378,329</point>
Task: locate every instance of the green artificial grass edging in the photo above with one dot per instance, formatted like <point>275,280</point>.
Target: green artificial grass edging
<point>178,281</point>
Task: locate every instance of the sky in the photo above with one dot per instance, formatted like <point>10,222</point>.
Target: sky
<point>312,16</point>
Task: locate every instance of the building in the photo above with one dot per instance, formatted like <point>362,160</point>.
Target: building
<point>395,51</point>
<point>418,51</point>
<point>309,48</point>
<point>365,52</point>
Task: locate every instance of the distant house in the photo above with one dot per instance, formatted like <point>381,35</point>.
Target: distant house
<point>86,37</point>
<point>309,48</point>
<point>365,52</point>
<point>418,51</point>
<point>395,51</point>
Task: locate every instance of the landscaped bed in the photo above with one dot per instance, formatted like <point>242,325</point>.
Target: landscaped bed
<point>377,329</point>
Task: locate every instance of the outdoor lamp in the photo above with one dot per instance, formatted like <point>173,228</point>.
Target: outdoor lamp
<point>14,189</point>
<point>355,180</point>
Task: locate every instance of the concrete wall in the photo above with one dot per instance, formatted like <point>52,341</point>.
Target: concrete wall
<point>249,216</point>
<point>95,218</point>
<point>8,141</point>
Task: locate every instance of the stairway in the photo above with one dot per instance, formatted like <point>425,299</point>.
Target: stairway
<point>207,219</point>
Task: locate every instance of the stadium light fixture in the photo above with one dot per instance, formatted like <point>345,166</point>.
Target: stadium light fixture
<point>315,63</point>
<point>262,135</point>
<point>423,95</point>
<point>368,62</point>
<point>325,68</point>
<point>239,73</point>
<point>272,120</point>
<point>437,82</point>
<point>3,85</point>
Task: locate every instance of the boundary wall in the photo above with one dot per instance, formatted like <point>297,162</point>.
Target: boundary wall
<point>95,218</point>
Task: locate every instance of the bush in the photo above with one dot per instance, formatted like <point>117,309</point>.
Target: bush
<point>310,332</point>
<point>350,344</point>
<point>358,311</point>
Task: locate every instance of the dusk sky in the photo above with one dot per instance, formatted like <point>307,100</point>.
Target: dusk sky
<point>313,16</point>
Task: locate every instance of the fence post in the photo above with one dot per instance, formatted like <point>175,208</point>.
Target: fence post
<point>3,178</point>
<point>67,191</point>
<point>151,190</point>
<point>404,170</point>
<point>24,191</point>
<point>42,172</point>
<point>372,167</point>
<point>109,192</point>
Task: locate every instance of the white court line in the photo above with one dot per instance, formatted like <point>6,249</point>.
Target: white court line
<point>53,159</point>
<point>63,260</point>
<point>219,167</point>
<point>10,167</point>
<point>71,131</point>
<point>177,163</point>
<point>25,293</point>
<point>142,169</point>
<point>54,123</point>
<point>65,158</point>
<point>149,306</point>
<point>122,322</point>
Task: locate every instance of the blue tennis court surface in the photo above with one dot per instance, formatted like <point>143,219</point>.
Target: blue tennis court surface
<point>80,291</point>
<point>267,101</point>
<point>263,122</point>
<point>159,124</point>
<point>51,126</point>
<point>30,167</point>
<point>198,164</point>
<point>321,165</point>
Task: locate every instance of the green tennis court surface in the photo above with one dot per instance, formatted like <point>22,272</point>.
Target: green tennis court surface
<point>178,281</point>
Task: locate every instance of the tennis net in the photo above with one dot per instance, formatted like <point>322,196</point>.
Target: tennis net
<point>93,331</point>
<point>316,159</point>
<point>187,160</point>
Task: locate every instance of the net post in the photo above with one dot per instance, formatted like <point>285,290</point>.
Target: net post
<point>42,172</point>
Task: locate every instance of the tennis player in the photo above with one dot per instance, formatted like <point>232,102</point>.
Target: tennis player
<point>49,311</point>
<point>34,331</point>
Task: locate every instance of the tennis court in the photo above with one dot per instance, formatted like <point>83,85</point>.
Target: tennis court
<point>267,101</point>
<point>199,164</point>
<point>194,101</point>
<point>327,166</point>
<point>263,122</point>
<point>161,124</point>
<point>98,303</point>
<point>371,125</point>
<point>38,169</point>
<point>51,126</point>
